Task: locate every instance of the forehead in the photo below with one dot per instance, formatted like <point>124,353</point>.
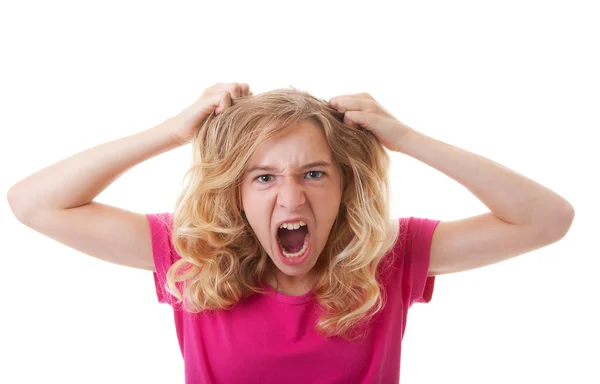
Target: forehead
<point>298,145</point>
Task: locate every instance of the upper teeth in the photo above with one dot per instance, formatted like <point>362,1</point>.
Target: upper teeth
<point>295,225</point>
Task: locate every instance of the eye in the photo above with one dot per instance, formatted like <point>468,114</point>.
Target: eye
<point>318,173</point>
<point>313,172</point>
<point>258,178</point>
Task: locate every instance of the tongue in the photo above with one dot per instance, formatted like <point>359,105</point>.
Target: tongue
<point>293,240</point>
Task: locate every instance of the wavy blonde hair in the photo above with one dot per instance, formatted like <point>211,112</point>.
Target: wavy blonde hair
<point>222,260</point>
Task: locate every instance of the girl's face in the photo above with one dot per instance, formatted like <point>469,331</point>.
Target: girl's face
<point>281,185</point>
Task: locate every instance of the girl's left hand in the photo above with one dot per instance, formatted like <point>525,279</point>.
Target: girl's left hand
<point>361,109</point>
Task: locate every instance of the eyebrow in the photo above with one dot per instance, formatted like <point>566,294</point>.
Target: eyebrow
<point>269,168</point>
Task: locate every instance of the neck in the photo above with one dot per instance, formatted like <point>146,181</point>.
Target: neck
<point>290,285</point>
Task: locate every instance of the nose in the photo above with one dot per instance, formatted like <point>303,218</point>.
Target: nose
<point>291,194</point>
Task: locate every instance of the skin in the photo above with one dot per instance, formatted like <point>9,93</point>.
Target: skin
<point>288,191</point>
<point>524,215</point>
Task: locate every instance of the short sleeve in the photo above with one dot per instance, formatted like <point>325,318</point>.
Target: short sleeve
<point>416,235</point>
<point>163,253</point>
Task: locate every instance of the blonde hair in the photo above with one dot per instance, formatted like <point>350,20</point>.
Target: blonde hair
<point>222,260</point>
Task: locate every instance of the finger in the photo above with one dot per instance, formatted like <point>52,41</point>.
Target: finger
<point>357,118</point>
<point>245,89</point>
<point>349,103</point>
<point>234,90</point>
<point>215,89</point>
<point>362,95</point>
<point>223,103</point>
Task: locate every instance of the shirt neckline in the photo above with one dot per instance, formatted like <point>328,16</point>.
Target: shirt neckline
<point>287,298</point>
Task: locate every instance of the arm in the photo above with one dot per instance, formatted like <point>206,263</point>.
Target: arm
<point>57,201</point>
<point>524,214</point>
<point>77,180</point>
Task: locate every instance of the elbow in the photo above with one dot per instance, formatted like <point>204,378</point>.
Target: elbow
<point>561,222</point>
<point>16,205</point>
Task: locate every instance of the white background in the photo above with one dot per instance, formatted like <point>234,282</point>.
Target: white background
<point>514,81</point>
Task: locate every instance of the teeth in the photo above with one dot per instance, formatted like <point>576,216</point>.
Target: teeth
<point>291,226</point>
<point>296,254</point>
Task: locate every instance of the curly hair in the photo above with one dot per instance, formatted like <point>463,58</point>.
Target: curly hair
<point>222,260</point>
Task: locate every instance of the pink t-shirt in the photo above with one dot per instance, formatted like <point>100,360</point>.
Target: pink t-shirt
<point>270,338</point>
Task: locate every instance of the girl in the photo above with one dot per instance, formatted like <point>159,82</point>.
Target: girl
<point>280,260</point>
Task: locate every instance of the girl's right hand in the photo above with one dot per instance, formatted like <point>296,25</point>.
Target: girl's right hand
<point>214,99</point>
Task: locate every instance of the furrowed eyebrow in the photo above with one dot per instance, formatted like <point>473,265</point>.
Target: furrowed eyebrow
<point>269,168</point>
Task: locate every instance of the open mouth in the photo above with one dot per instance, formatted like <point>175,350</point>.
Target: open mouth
<point>293,243</point>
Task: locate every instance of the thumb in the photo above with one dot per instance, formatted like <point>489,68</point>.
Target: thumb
<point>356,118</point>
<point>223,102</point>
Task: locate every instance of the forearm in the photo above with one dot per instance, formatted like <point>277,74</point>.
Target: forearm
<point>78,179</point>
<point>509,195</point>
